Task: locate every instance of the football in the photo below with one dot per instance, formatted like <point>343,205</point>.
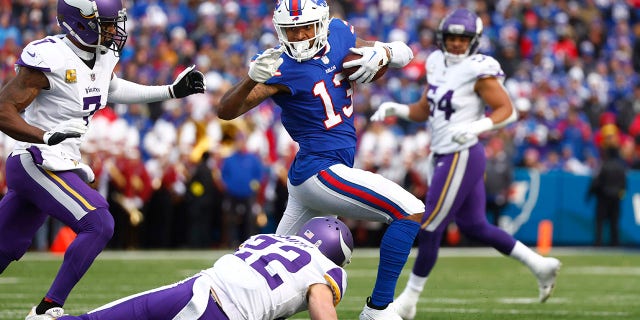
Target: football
<point>349,71</point>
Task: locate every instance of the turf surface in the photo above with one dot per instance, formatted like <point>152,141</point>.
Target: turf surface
<point>474,283</point>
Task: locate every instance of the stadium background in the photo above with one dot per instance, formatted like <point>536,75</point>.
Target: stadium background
<point>571,69</point>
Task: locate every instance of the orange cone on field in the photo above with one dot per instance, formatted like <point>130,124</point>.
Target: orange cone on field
<point>545,237</point>
<point>453,235</point>
<point>62,240</point>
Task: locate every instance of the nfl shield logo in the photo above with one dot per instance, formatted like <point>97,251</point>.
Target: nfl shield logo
<point>93,77</point>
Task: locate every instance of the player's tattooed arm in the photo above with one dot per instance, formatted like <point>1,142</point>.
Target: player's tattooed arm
<point>364,43</point>
<point>244,96</point>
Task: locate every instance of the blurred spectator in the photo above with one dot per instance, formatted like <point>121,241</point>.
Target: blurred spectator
<point>531,131</point>
<point>165,227</point>
<point>636,48</point>
<point>129,186</point>
<point>575,133</point>
<point>498,178</point>
<point>609,187</point>
<point>242,173</point>
<point>204,219</point>
<point>635,164</point>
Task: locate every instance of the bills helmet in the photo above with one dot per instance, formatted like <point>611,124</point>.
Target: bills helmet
<point>301,13</point>
<point>94,23</point>
<point>331,236</point>
<point>460,22</point>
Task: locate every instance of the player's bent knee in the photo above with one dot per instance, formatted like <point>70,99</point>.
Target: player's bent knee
<point>99,222</point>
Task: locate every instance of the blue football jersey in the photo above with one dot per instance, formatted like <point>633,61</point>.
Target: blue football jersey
<point>318,114</point>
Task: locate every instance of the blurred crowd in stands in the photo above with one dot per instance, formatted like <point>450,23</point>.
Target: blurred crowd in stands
<point>177,176</point>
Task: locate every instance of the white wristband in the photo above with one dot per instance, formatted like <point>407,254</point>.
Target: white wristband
<point>512,118</point>
<point>400,53</point>
<point>479,126</point>
<point>402,111</point>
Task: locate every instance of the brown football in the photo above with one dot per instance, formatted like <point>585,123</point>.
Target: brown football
<point>354,56</point>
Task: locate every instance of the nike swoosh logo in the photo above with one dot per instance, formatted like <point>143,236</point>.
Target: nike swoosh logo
<point>374,54</point>
<point>33,55</point>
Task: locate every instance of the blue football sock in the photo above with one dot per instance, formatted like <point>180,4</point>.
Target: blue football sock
<point>394,250</point>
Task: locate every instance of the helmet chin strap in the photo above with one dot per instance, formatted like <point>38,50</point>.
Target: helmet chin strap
<point>452,59</point>
<point>75,35</point>
<point>99,48</point>
<point>81,53</point>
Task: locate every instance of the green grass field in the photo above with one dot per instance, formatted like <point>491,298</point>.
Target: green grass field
<point>473,283</point>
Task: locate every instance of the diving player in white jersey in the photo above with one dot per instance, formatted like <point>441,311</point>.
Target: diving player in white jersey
<point>268,277</point>
<point>61,82</point>
<point>317,111</point>
<point>459,84</point>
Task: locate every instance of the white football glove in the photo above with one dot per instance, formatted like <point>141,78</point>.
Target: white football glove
<point>73,128</point>
<point>389,109</point>
<point>460,133</point>
<point>266,64</point>
<point>464,132</point>
<point>373,58</point>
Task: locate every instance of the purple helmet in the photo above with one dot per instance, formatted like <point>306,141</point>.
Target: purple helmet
<point>331,236</point>
<point>460,22</point>
<point>89,22</point>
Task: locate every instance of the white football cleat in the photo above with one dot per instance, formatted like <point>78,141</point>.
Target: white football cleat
<point>405,306</point>
<point>546,275</point>
<point>369,313</point>
<point>50,314</point>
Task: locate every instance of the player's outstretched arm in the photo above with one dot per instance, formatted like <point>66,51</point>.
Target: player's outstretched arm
<point>320,300</point>
<point>189,81</point>
<point>15,97</point>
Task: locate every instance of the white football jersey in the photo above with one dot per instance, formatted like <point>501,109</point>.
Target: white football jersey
<point>451,95</point>
<point>268,277</point>
<point>76,91</point>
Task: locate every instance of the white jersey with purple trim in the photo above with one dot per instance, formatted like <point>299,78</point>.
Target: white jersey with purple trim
<point>76,91</point>
<point>269,275</point>
<point>451,95</point>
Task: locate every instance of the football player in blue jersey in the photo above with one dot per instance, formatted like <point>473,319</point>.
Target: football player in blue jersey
<point>306,274</point>
<point>459,84</point>
<point>61,82</point>
<point>303,75</point>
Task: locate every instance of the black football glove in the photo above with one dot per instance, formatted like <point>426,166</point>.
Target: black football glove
<point>73,128</point>
<point>188,82</point>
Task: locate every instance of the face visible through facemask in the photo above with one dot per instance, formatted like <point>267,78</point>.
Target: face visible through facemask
<point>301,37</point>
<point>457,44</point>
